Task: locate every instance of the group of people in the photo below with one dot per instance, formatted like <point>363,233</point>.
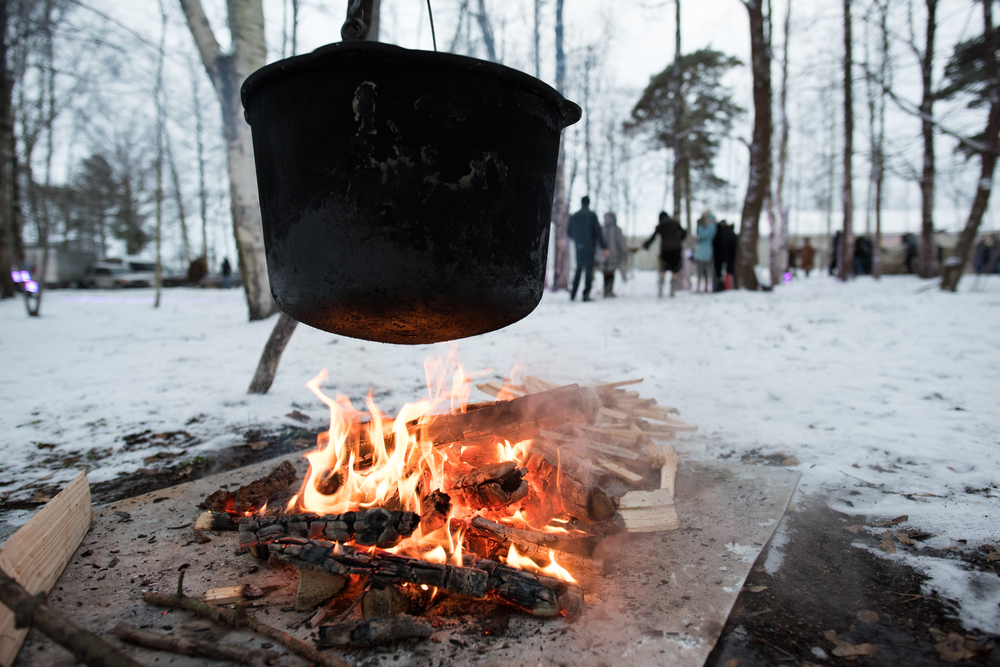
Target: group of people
<point>714,254</point>
<point>587,234</point>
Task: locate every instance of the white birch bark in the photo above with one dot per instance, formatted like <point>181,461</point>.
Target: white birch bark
<point>227,72</point>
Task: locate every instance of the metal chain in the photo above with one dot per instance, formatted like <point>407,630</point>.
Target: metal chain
<point>354,28</point>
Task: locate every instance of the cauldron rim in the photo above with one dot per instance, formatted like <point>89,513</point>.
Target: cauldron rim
<point>348,53</point>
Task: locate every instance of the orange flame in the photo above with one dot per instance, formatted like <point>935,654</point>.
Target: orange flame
<point>553,569</point>
<point>366,459</point>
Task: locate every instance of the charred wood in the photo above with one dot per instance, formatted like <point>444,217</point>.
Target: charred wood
<point>567,494</point>
<point>373,632</point>
<point>492,486</point>
<point>534,542</point>
<point>536,594</point>
<point>435,508</point>
<point>369,527</point>
<point>253,495</point>
<point>215,521</point>
<point>514,420</point>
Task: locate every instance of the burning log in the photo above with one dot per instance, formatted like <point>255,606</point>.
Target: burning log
<point>492,486</point>
<point>514,420</point>
<point>215,521</point>
<point>435,508</point>
<point>253,495</point>
<point>368,527</point>
<point>566,494</point>
<point>535,542</point>
<point>373,632</point>
<point>539,595</point>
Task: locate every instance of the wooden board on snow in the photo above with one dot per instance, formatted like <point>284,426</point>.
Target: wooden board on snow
<point>36,554</point>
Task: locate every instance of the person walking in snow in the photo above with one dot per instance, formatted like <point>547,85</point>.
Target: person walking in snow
<point>615,253</point>
<point>807,256</point>
<point>586,233</point>
<point>703,251</point>
<point>227,273</point>
<point>672,237</point>
<point>724,255</point>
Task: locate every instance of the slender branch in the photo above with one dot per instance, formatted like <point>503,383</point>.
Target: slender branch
<point>31,610</point>
<point>204,38</point>
<point>238,618</point>
<point>914,110</point>
<point>254,657</point>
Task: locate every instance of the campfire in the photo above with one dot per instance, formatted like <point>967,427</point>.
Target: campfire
<point>507,500</point>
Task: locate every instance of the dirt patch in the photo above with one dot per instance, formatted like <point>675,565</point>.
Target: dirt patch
<point>163,472</point>
<point>826,584</point>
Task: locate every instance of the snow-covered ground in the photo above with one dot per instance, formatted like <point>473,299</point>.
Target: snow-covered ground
<point>885,392</point>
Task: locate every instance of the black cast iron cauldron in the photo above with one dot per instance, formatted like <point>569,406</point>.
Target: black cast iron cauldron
<point>406,195</point>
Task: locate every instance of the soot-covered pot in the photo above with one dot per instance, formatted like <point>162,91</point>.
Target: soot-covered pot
<point>406,195</point>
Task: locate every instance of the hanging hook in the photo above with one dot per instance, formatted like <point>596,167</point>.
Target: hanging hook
<point>430,14</point>
<point>354,28</point>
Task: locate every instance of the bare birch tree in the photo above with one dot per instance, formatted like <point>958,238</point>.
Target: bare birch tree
<point>845,264</point>
<point>777,212</point>
<point>160,122</point>
<point>760,147</point>
<point>227,72</point>
<point>560,205</point>
<point>928,247</point>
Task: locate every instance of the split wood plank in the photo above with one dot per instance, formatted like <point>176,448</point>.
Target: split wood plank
<point>37,553</point>
<point>648,511</point>
<point>668,473</point>
<point>621,472</point>
<point>514,420</point>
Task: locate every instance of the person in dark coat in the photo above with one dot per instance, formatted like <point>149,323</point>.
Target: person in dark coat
<point>586,232</point>
<point>672,237</point>
<point>910,251</point>
<point>227,273</point>
<point>724,253</point>
<point>835,252</point>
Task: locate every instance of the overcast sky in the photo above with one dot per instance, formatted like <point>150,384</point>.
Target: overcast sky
<point>635,39</point>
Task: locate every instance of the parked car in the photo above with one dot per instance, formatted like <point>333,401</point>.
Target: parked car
<point>105,275</point>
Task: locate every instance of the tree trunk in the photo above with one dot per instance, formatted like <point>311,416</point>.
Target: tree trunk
<point>227,72</point>
<point>760,149</point>
<point>879,152</point>
<point>34,303</point>
<point>846,250</point>
<point>7,256</point>
<point>678,103</point>
<point>779,195</point>
<point>269,358</point>
<point>561,205</point>
<point>537,35</point>
<point>160,122</point>
<point>175,179</point>
<point>200,148</point>
<point>953,272</point>
<point>487,29</point>
<point>928,248</point>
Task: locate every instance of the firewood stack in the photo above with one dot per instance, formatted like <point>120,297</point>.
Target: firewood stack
<point>593,461</point>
